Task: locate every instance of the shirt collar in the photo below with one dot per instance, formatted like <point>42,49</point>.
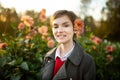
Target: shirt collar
<point>75,57</point>
<point>63,58</point>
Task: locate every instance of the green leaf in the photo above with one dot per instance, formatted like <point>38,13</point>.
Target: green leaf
<point>2,62</point>
<point>24,66</point>
<point>12,63</point>
<point>19,60</point>
<point>17,77</point>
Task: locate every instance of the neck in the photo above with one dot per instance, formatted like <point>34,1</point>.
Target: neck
<point>64,48</point>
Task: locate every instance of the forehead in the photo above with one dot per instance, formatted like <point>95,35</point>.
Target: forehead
<point>61,20</point>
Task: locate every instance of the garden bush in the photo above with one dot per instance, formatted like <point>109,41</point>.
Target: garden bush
<point>106,55</point>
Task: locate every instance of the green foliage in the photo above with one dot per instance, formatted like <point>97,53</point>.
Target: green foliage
<point>21,59</point>
<point>106,55</point>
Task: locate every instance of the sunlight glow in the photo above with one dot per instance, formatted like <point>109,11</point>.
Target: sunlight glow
<point>52,5</point>
<point>96,7</point>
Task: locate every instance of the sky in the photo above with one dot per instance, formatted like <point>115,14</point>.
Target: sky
<point>52,5</point>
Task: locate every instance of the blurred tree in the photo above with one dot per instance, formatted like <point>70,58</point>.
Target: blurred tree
<point>8,20</point>
<point>84,6</point>
<point>112,12</point>
<point>89,22</point>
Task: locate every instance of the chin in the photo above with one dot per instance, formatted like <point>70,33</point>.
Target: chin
<point>62,42</point>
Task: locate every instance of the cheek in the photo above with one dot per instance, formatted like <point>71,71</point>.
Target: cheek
<point>72,33</point>
<point>70,30</point>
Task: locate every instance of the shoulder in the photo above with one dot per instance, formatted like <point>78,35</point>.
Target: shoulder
<point>50,52</point>
<point>86,56</point>
<point>88,62</point>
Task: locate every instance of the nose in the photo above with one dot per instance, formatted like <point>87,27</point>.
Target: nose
<point>60,29</point>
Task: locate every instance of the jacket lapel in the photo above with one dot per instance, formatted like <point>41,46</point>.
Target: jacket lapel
<point>49,65</point>
<point>61,74</point>
<point>48,71</point>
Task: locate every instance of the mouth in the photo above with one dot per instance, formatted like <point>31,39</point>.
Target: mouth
<point>61,36</point>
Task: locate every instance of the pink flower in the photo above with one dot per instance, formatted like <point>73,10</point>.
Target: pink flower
<point>95,39</point>
<point>3,45</point>
<point>109,48</point>
<point>42,15</point>
<point>51,43</point>
<point>21,26</point>
<point>28,21</point>
<point>78,26</point>
<point>43,30</point>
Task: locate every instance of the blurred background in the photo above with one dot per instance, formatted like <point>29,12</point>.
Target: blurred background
<point>25,35</point>
<point>102,16</point>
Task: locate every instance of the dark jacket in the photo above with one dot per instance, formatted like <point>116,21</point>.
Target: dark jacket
<point>79,66</point>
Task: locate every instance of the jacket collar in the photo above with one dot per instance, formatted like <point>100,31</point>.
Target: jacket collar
<point>77,54</point>
<point>75,57</point>
<point>51,54</point>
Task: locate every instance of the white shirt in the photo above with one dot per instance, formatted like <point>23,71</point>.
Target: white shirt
<point>63,58</point>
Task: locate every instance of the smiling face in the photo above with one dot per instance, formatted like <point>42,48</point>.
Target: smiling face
<point>62,28</point>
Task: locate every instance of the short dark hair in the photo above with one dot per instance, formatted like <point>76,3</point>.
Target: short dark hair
<point>71,15</point>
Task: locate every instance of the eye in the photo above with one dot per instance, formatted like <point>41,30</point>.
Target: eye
<point>66,25</point>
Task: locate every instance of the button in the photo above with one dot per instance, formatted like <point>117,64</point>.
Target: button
<point>48,61</point>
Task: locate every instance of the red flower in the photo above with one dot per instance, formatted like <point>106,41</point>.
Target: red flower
<point>109,48</point>
<point>3,45</point>
<point>95,39</point>
<point>21,26</point>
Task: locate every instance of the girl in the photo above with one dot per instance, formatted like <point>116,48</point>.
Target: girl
<point>67,61</point>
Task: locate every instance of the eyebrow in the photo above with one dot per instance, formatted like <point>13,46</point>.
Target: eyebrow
<point>66,22</point>
<point>62,23</point>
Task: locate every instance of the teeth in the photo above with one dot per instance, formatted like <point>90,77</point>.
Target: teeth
<point>61,36</point>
